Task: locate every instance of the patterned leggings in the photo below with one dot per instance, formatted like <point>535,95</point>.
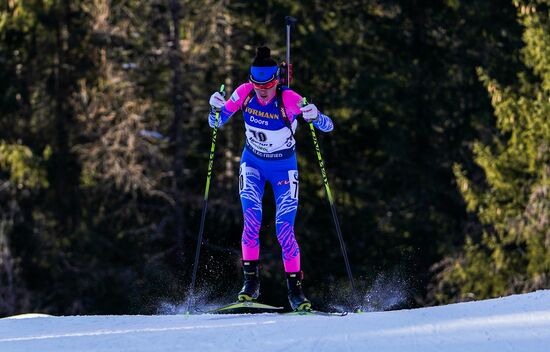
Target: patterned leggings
<point>283,177</point>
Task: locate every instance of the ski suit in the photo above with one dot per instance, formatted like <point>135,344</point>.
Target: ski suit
<point>269,155</point>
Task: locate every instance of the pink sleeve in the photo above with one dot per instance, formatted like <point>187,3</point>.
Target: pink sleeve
<point>235,102</point>
<point>292,101</point>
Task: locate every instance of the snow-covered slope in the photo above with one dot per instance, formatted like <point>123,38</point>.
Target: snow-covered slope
<point>515,323</point>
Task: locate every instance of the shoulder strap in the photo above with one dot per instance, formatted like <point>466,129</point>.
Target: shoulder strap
<point>282,109</point>
<point>249,97</point>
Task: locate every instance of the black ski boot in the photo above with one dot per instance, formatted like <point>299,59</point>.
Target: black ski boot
<point>298,302</point>
<point>251,287</point>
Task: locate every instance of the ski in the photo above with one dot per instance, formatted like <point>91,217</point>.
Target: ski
<point>251,307</point>
<point>243,307</point>
<point>317,312</point>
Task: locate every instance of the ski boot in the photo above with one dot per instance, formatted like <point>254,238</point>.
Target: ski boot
<point>298,302</point>
<point>251,287</point>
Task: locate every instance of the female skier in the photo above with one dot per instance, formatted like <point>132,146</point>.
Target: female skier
<point>270,117</point>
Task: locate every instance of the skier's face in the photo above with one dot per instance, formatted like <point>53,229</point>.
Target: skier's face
<point>267,91</point>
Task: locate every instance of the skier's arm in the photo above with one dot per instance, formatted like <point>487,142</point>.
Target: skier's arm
<point>293,106</point>
<point>323,122</point>
<point>222,119</point>
<point>229,107</point>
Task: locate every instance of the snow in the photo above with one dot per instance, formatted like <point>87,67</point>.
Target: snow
<point>514,323</point>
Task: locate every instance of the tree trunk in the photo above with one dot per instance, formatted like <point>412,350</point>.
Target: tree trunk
<point>64,168</point>
<point>177,100</point>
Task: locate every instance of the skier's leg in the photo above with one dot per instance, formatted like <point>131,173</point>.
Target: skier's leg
<point>251,188</point>
<point>285,189</point>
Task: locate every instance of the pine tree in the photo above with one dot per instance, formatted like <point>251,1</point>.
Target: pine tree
<point>512,203</point>
<point>22,174</point>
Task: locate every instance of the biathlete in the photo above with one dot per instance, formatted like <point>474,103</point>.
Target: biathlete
<point>270,117</point>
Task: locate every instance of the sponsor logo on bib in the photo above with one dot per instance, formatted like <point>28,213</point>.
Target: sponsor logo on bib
<point>258,113</point>
<point>259,122</point>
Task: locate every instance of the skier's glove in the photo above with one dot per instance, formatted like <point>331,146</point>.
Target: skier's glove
<point>310,112</point>
<point>217,101</point>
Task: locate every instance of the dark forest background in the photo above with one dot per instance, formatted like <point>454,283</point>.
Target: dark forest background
<point>439,160</point>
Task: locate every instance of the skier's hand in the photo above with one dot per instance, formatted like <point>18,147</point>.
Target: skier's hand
<point>310,112</point>
<point>217,101</point>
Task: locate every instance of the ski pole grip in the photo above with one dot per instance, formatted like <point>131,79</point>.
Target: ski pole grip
<point>302,104</point>
<point>222,92</point>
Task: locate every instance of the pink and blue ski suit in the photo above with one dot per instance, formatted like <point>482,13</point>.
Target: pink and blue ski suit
<point>269,155</point>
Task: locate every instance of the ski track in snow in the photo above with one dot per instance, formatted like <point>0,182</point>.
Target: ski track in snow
<point>514,323</point>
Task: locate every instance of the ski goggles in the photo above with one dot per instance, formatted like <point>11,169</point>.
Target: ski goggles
<point>265,86</point>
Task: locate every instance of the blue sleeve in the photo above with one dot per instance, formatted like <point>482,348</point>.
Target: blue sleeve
<point>222,119</point>
<point>323,123</point>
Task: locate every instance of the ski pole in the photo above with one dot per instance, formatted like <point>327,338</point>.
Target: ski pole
<point>204,206</point>
<point>332,207</point>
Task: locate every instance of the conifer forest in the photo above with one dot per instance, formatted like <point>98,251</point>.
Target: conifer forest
<point>439,161</point>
